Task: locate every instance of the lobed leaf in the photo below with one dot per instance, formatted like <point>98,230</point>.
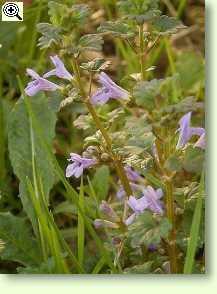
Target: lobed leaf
<point>147,230</point>
<point>117,29</point>
<point>50,35</point>
<point>146,91</point>
<point>164,25</point>
<point>90,42</point>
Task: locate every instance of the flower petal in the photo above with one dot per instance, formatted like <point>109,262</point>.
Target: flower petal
<point>130,219</point>
<point>201,142</point>
<point>32,88</point>
<point>33,74</point>
<point>60,70</point>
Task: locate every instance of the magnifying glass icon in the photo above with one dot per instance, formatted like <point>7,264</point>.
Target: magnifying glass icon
<point>11,10</point>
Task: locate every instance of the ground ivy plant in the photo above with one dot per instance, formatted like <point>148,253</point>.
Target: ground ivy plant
<point>139,204</point>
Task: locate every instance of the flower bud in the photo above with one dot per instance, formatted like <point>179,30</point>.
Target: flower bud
<point>105,157</point>
<point>108,210</point>
<point>101,223</point>
<point>116,241</point>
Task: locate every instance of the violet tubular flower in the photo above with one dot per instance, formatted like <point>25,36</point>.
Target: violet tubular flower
<point>38,84</point>
<point>60,71</point>
<point>138,206</point>
<point>77,165</point>
<point>132,175</point>
<point>109,90</point>
<point>107,210</point>
<point>201,142</point>
<point>152,198</point>
<point>121,193</point>
<point>186,131</point>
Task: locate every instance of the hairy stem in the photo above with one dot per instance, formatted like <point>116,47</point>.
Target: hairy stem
<point>171,217</point>
<point>170,209</point>
<point>117,162</point>
<point>142,49</point>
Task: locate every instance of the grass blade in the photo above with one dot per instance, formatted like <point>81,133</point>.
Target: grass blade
<point>81,229</point>
<point>99,266</point>
<point>194,233</point>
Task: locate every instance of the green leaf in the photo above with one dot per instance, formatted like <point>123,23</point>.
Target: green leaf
<point>66,17</point>
<point>193,160</point>
<point>185,105</point>
<point>96,65</point>
<point>173,163</point>
<point>90,42</point>
<point>191,69</point>
<point>57,12</point>
<point>79,13</point>
<point>139,134</point>
<point>164,25</point>
<point>147,230</point>
<point>73,95</point>
<point>70,194</point>
<point>100,182</point>
<point>146,17</point>
<point>21,140</point>
<point>65,207</point>
<point>146,91</point>
<point>20,246</point>
<point>47,267</point>
<point>194,233</point>
<point>84,122</point>
<point>140,10</point>
<point>144,268</point>
<point>50,35</point>
<point>117,29</point>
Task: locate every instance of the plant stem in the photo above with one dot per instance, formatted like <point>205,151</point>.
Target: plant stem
<point>171,217</point>
<point>117,162</point>
<point>169,205</point>
<point>142,57</point>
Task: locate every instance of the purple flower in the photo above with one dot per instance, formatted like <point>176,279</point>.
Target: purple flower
<point>60,71</point>
<point>152,199</point>
<point>201,142</point>
<point>149,200</point>
<point>38,84</point>
<point>152,247</point>
<point>186,131</point>
<point>121,192</point>
<point>109,90</point>
<point>138,206</point>
<point>77,165</point>
<point>132,175</point>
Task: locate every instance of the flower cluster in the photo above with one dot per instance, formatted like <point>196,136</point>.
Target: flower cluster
<point>41,83</point>
<point>78,164</point>
<point>150,200</point>
<point>134,178</point>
